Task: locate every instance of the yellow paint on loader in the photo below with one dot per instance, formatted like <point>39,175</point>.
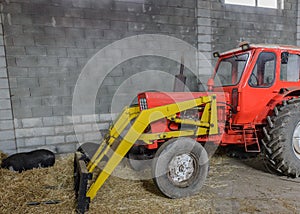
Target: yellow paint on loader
<point>116,147</point>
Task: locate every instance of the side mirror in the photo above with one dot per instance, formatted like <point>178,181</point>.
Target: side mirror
<point>210,84</point>
<point>284,57</point>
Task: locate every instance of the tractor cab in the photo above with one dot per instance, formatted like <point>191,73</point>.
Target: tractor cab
<point>253,75</point>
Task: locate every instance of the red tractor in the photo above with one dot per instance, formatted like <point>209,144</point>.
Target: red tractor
<point>252,101</point>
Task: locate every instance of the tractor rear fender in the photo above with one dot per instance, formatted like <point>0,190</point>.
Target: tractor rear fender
<point>282,94</point>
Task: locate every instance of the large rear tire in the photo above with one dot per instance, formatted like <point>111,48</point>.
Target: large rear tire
<point>180,167</point>
<point>282,139</point>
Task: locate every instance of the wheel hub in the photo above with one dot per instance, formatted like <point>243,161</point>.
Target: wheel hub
<point>181,168</point>
<point>296,141</point>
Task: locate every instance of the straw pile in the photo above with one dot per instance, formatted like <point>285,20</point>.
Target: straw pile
<point>18,190</point>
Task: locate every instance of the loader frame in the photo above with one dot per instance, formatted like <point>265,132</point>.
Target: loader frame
<point>130,127</point>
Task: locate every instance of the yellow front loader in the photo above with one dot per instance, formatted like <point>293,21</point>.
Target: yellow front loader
<point>180,164</point>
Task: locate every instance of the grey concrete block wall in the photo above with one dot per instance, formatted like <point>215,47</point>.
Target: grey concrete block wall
<point>48,43</point>
<point>233,23</point>
<point>7,133</point>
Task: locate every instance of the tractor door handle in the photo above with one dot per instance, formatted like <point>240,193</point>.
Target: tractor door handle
<point>275,91</point>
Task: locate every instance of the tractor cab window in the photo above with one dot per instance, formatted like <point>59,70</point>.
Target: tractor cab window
<point>230,70</point>
<point>290,67</point>
<point>263,74</point>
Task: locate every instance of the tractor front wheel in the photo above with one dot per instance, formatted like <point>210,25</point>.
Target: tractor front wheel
<point>282,139</point>
<point>180,167</point>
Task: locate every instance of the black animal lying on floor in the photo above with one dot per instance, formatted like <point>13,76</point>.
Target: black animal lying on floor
<point>29,160</point>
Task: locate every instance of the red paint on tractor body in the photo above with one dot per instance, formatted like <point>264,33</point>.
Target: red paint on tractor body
<point>251,82</point>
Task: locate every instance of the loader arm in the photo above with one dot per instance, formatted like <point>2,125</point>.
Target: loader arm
<point>130,127</point>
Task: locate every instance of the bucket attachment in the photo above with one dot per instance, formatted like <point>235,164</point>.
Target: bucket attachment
<point>130,127</point>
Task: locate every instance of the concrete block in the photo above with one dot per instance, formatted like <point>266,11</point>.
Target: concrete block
<point>75,33</point>
<point>48,91</point>
<point>55,31</point>
<point>54,11</point>
<point>38,71</point>
<point>8,146</point>
<point>48,82</point>
<point>26,82</point>
<point>133,26</point>
<point>33,132</point>
<point>6,125</point>
<point>161,19</point>
<point>17,123</point>
<point>4,94</point>
<point>89,118</point>
<point>45,41</point>
<point>113,35</point>
<point>5,114</point>
<point>17,71</point>
<point>127,6</point>
<point>31,29</point>
<point>204,30</point>
<point>35,141</point>
<point>204,38</point>
<point>74,138</point>
<point>96,137</point>
<point>76,52</point>
<point>23,40</point>
<point>22,112</point>
<point>72,119</point>
<point>107,117</point>
<point>201,4</point>
<point>66,148</point>
<point>37,51</point>
<point>101,4</point>
<point>74,12</point>
<point>12,8</point>
<point>88,42</point>
<point>67,129</point>
<point>47,61</point>
<point>204,21</point>
<point>184,12</point>
<point>56,51</point>
<point>52,101</point>
<point>2,61</point>
<point>118,25</point>
<point>20,92</point>
<point>101,126</point>
<point>27,61</point>
<point>63,42</point>
<point>52,121</point>
<point>21,19</point>
<point>7,135</point>
<point>62,110</point>
<point>20,142</point>
<point>175,3</point>
<point>32,122</point>
<point>5,104</point>
<point>81,4</point>
<point>67,62</point>
<point>34,9</point>
<point>81,62</point>
<point>55,140</point>
<point>3,83</point>
<point>43,111</point>
<point>3,73</point>
<point>82,128</point>
<point>2,52</point>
